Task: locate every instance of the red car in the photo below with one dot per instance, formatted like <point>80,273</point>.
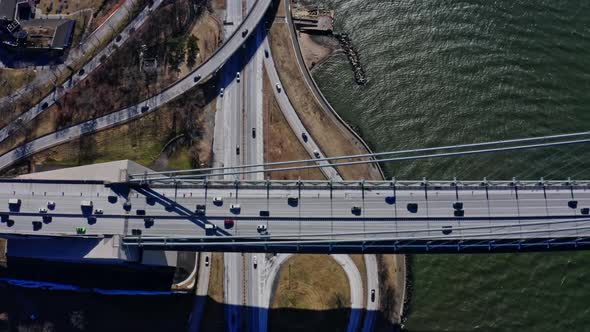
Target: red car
<point>228,223</point>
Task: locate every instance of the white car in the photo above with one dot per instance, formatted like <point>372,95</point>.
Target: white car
<point>238,77</point>
<point>235,208</point>
<point>278,87</point>
<point>261,229</point>
<point>218,201</point>
<point>42,210</point>
<point>254,262</point>
<point>221,92</point>
<point>206,261</point>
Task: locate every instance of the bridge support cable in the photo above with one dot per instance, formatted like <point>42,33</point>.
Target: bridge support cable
<point>395,159</point>
<point>373,155</point>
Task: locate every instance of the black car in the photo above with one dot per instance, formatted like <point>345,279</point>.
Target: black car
<point>458,205</point>
<point>253,132</point>
<point>145,109</point>
<point>140,212</point>
<point>245,33</point>
<point>446,230</point>
<point>264,213</point>
<point>304,136</point>
<point>136,232</point>
<point>413,207</point>
<point>197,78</point>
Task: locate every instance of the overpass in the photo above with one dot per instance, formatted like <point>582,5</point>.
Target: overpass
<point>197,76</point>
<point>306,216</point>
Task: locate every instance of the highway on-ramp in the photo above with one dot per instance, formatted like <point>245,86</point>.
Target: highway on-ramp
<point>208,68</point>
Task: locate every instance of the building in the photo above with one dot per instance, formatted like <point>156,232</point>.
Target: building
<point>20,30</point>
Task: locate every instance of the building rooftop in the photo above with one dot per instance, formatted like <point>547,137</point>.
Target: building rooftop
<point>7,9</point>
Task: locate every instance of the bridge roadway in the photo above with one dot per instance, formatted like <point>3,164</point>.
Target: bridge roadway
<point>495,213</point>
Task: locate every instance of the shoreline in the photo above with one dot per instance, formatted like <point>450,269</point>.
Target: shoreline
<point>315,53</point>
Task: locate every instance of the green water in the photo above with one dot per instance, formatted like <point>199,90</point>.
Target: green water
<point>449,72</point>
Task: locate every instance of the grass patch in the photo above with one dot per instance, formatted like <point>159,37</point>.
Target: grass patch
<point>13,79</point>
<point>314,285</point>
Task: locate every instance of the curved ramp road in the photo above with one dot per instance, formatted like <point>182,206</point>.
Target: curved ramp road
<point>85,71</point>
<point>206,69</point>
<point>292,118</point>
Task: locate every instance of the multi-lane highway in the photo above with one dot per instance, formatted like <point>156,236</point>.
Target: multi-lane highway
<point>209,67</point>
<point>416,213</point>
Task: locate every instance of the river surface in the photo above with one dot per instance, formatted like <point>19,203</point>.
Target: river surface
<point>448,72</point>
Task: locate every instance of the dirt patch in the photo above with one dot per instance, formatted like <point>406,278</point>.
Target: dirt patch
<point>280,143</point>
<point>317,287</point>
<point>213,315</point>
<point>313,53</point>
<point>207,33</point>
<point>324,130</point>
<point>13,79</point>
<point>391,285</point>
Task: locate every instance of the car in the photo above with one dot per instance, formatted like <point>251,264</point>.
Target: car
<point>253,132</point>
<point>51,205</point>
<point>218,201</point>
<point>118,39</point>
<point>47,219</point>
<point>446,230</point>
<point>292,201</point>
<point>37,225</point>
<point>91,220</point>
<point>98,211</point>
<point>261,229</point>
<point>390,200</point>
<point>4,217</point>
<point>254,261</point>
<point>42,210</point>
<point>317,154</point>
<point>235,208</point>
<point>145,109</point>
<point>372,295</point>
<point>459,213</point>
<point>238,77</point>
<point>413,207</point>
<point>356,210</point>
<point>228,223</point>
<point>572,204</point>
<point>266,54</point>
<point>304,136</point>
<point>127,206</point>
<point>238,150</point>
<point>197,78</point>
<point>278,87</point>
<point>14,201</point>
<point>221,91</point>
<point>458,205</point>
<point>86,204</point>
<point>80,230</point>
<point>585,211</point>
<point>140,212</point>
<point>206,261</point>
<point>200,210</point>
<point>148,222</point>
<point>136,232</point>
<point>44,105</point>
<point>264,213</point>
<point>244,32</point>
<point>81,72</point>
<point>210,229</point>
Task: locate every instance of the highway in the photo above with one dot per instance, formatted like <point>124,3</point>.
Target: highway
<point>496,212</point>
<point>100,34</point>
<point>206,69</point>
